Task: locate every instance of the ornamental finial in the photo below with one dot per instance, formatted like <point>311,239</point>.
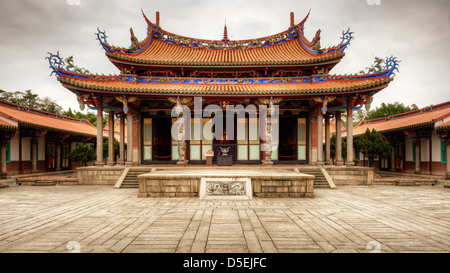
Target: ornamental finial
<point>225,32</point>
<point>292,19</point>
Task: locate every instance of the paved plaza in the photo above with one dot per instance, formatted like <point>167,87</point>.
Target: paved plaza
<point>99,219</point>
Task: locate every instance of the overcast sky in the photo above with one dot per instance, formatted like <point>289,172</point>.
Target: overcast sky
<point>414,31</point>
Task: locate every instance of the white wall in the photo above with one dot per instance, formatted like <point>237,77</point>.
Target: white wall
<point>408,149</point>
<point>41,148</point>
<point>425,150</point>
<point>15,148</point>
<point>25,149</point>
<point>436,148</point>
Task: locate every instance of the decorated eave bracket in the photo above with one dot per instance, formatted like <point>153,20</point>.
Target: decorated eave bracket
<point>126,101</point>
<point>189,101</point>
<point>94,103</point>
<point>323,103</point>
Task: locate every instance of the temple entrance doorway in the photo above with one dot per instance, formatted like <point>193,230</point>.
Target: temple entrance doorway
<point>229,140</point>
<point>157,139</point>
<point>162,138</point>
<point>287,149</point>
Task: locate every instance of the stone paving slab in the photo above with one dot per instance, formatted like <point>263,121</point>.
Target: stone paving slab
<point>100,219</point>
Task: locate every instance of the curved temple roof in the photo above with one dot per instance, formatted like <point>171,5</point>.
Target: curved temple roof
<point>210,87</point>
<point>286,48</point>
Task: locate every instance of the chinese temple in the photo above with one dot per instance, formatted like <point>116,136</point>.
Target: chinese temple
<point>165,69</point>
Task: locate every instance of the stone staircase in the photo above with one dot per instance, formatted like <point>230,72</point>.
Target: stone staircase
<point>131,180</point>
<point>319,181</point>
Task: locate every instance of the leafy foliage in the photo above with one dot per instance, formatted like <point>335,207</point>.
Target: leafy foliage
<point>372,145</point>
<point>29,99</point>
<point>333,147</point>
<point>106,148</point>
<point>82,153</point>
<point>89,116</point>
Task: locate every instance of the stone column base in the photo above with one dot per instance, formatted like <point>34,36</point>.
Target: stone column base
<point>266,162</point>
<point>350,164</point>
<point>447,176</point>
<point>320,163</point>
<point>99,164</point>
<point>339,163</point>
<point>328,163</point>
<point>3,175</point>
<point>111,163</point>
<point>129,163</point>
<point>418,172</point>
<point>121,162</point>
<point>182,162</point>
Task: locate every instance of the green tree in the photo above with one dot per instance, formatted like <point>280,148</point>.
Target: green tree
<point>106,148</point>
<point>372,145</point>
<point>48,105</point>
<point>89,116</point>
<point>82,153</point>
<point>31,100</point>
<point>333,148</point>
<point>390,109</point>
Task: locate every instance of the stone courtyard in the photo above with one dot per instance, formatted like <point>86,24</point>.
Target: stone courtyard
<point>99,219</point>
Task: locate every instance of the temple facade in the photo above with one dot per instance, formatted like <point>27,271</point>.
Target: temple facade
<point>286,73</point>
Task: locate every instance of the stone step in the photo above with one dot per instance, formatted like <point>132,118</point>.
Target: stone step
<point>44,183</point>
<point>129,186</point>
<point>131,180</point>
<point>319,181</point>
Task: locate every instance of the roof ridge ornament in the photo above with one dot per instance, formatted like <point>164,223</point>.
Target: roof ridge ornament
<point>56,63</point>
<point>134,41</point>
<point>101,36</point>
<point>392,64</point>
<point>70,67</point>
<point>225,33</point>
<point>375,68</point>
<point>345,39</point>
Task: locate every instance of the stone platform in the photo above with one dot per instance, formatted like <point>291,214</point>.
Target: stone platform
<point>271,182</point>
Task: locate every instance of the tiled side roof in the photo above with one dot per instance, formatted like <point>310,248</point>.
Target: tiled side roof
<point>413,119</point>
<point>4,125</point>
<point>227,87</point>
<point>443,127</point>
<point>47,121</point>
<point>116,130</point>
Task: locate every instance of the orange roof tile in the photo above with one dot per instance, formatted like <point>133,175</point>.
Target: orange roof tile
<point>444,126</point>
<point>7,125</point>
<point>116,130</point>
<point>418,118</point>
<point>162,53</point>
<point>48,121</point>
<point>314,86</point>
<point>164,48</point>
